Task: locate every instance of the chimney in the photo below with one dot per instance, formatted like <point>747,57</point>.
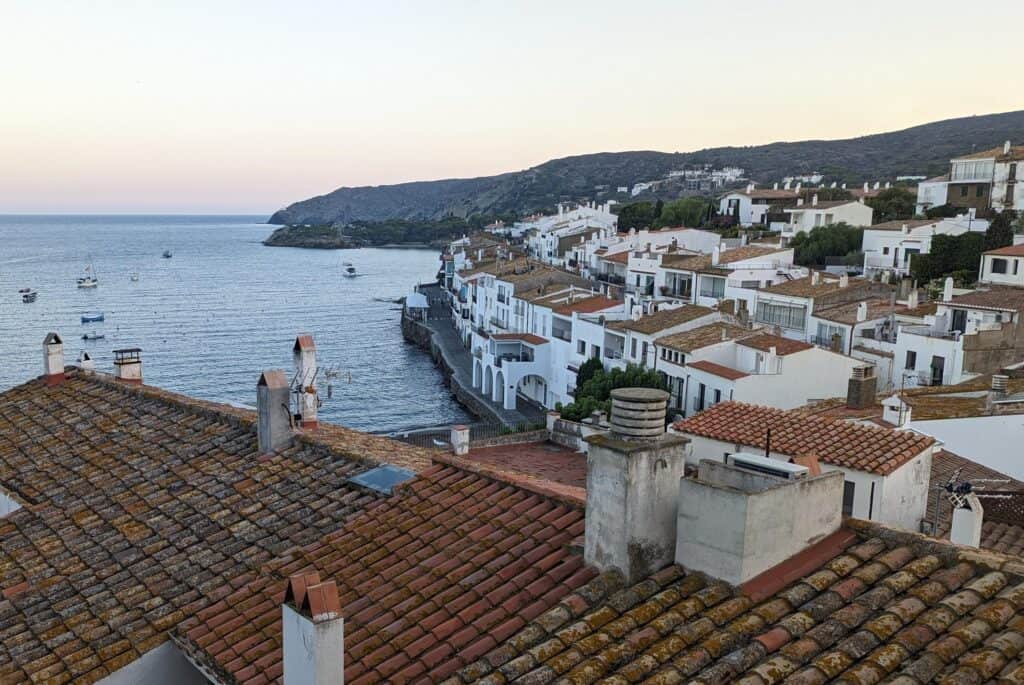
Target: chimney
<point>775,186</point>
<point>53,359</point>
<point>843,186</point>
<point>896,412</point>
<point>815,277</point>
<point>1006,148</point>
<point>967,519</point>
<point>887,185</point>
<point>85,362</point>
<point>273,414</point>
<point>716,254</point>
<point>633,475</point>
<point>460,440</point>
<point>128,365</point>
<point>867,186</point>
<point>998,389</point>
<point>799,202</point>
<point>737,521</point>
<point>814,200</point>
<point>313,632</point>
<point>786,186</point>
<point>844,280</point>
<point>904,229</point>
<point>862,312</point>
<point>860,389</point>
<point>876,185</point>
<point>304,356</point>
<point>947,289</point>
<point>912,299</point>
<point>798,186</point>
<point>750,188</point>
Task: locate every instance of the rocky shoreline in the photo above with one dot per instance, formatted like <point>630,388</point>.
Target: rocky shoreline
<point>314,237</point>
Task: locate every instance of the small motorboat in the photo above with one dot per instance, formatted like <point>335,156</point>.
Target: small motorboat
<point>93,336</point>
<point>348,270</point>
<point>22,291</point>
<point>30,296</point>
<point>92,317</point>
<point>167,254</point>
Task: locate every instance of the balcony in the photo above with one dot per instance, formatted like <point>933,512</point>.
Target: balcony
<point>561,334</point>
<point>647,289</point>
<point>928,332</point>
<point>503,298</point>
<point>612,278</point>
<point>612,354</point>
<point>498,323</point>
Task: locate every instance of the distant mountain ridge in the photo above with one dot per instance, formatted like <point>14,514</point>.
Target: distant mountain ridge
<point>924,149</point>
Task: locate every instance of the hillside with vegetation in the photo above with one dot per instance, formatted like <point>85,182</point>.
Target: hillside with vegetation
<point>924,149</point>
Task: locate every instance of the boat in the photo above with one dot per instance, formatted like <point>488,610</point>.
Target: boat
<point>28,297</point>
<point>89,280</point>
<point>348,271</point>
<point>91,317</point>
<point>22,291</point>
<point>167,254</point>
<point>93,336</point>
<point>134,276</point>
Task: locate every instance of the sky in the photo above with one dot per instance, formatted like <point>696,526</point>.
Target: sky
<point>221,107</point>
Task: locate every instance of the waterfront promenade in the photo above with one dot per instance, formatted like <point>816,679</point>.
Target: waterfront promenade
<point>460,361</point>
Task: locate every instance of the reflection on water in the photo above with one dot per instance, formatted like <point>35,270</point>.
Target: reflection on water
<point>222,308</point>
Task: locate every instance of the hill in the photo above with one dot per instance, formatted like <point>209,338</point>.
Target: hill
<point>924,149</point>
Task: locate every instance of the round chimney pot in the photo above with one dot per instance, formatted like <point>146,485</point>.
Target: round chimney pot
<point>638,413</point>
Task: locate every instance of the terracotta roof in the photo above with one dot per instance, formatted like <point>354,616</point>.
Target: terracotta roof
<point>802,287</point>
<point>996,297</point>
<point>1016,153</point>
<point>766,341</point>
<point>703,336</point>
<point>846,313</point>
<point>717,369</point>
<point>444,570</point>
<point>765,193</point>
<point>1008,251</point>
<point>898,225</point>
<point>822,204</point>
<point>523,337</point>
<point>589,305</point>
<point>663,320</point>
<point>868,604</point>
<point>834,441</point>
<point>621,257</point>
<point>140,505</point>
<point>738,254</point>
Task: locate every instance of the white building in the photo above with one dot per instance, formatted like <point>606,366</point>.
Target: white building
<point>931,193</point>
<point>981,180</point>
<point>549,238</point>
<point>750,206</point>
<point>886,471</point>
<point>804,216</point>
<point>889,247</point>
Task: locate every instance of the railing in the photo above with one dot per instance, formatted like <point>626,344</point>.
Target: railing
<point>514,358</point>
<point>827,341</point>
<point>928,332</point>
<point>612,278</point>
<point>641,289</point>
<point>879,335</point>
<point>489,431</point>
<point>612,354</point>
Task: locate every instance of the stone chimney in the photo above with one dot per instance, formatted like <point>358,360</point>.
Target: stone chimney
<point>947,289</point>
<point>860,389</point>
<point>128,365</point>
<point>313,632</point>
<point>53,359</point>
<point>273,414</point>
<point>735,523</point>
<point>633,475</point>
<point>460,440</point>
<point>304,356</point>
<point>967,520</point>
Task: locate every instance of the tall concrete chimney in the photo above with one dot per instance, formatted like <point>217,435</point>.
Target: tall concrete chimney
<point>53,359</point>
<point>304,356</point>
<point>967,520</point>
<point>313,632</point>
<point>633,475</point>
<point>128,365</point>
<point>860,389</point>
<point>460,440</point>
<point>273,414</point>
<point>862,311</point>
<point>947,289</point>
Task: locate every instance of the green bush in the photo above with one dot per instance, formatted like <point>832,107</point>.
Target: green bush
<point>834,240</point>
<point>588,369</point>
<point>594,394</point>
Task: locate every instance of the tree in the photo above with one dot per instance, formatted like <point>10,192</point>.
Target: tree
<point>637,215</point>
<point>595,393</point>
<point>1000,231</point>
<point>836,240</point>
<point>1018,225</point>
<point>588,370</point>
<point>892,204</point>
<point>689,211</point>
<point>945,211</point>
<point>949,255</point>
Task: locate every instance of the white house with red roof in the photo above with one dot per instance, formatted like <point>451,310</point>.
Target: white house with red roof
<point>805,216</point>
<point>886,471</point>
<point>750,206</point>
<point>888,247</point>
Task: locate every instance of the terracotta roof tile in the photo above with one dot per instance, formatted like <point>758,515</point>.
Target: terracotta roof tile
<point>523,337</point>
<point>1002,298</point>
<point>717,370</point>
<point>703,336</point>
<point>663,320</point>
<point>766,341</point>
<point>1008,251</point>
<point>834,441</point>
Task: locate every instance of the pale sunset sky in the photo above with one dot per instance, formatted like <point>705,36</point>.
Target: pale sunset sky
<point>246,106</point>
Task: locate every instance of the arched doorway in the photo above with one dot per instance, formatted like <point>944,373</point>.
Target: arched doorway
<point>478,373</point>
<point>488,385</point>
<point>499,388</point>
<point>532,390</point>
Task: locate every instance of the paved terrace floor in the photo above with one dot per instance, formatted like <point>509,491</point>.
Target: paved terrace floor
<point>461,361</point>
<point>542,460</point>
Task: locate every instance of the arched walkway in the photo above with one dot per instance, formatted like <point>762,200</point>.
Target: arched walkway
<point>488,386</point>
<point>478,373</point>
<point>533,388</point>
<point>499,388</point>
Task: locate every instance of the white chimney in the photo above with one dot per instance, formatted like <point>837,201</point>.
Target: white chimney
<point>815,277</point>
<point>904,229</point>
<point>633,475</point>
<point>867,186</point>
<point>1006,148</point>
<point>912,299</point>
<point>85,362</point>
<point>128,365</point>
<point>53,359</point>
<point>844,280</point>
<point>786,186</point>
<point>775,186</point>
<point>799,202</point>
<point>736,523</point>
<point>896,412</point>
<point>313,632</point>
<point>947,289</point>
<point>887,185</point>
<point>966,528</point>
<point>814,200</point>
<point>798,186</point>
<point>750,188</point>
<point>460,440</point>
<point>273,413</point>
<point>716,254</point>
<point>304,357</point>
<point>843,186</point>
<point>833,185</point>
<point>877,184</point>
<point>862,312</point>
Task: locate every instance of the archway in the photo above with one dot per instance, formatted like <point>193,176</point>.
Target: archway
<point>488,386</point>
<point>499,388</point>
<point>532,390</point>
<point>478,373</point>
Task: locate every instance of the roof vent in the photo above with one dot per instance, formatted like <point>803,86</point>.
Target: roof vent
<point>382,479</point>
<point>638,413</point>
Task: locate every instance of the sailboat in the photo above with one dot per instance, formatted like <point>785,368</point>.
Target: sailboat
<point>89,280</point>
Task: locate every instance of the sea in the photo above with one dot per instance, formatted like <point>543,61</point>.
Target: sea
<point>219,310</point>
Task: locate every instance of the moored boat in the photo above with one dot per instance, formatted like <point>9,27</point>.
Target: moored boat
<point>30,296</point>
<point>167,254</point>
<point>91,317</point>
<point>93,336</point>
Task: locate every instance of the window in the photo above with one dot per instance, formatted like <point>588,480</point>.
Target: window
<point>643,354</point>
<point>581,347</point>
<point>998,265</point>
<point>963,191</point>
<point>632,348</point>
<point>848,490</point>
<point>718,396</point>
<point>595,351</point>
<point>911,360</point>
<point>787,316</point>
<point>979,191</point>
<point>885,250</point>
<point>749,284</point>
<point>711,286</point>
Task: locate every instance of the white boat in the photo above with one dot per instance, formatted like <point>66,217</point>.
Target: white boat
<point>89,280</point>
<point>29,297</point>
<point>348,271</point>
<point>92,317</point>
<point>134,276</point>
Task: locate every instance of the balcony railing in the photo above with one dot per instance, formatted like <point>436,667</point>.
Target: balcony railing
<point>641,289</point>
<point>612,354</point>
<point>611,278</point>
<point>928,332</point>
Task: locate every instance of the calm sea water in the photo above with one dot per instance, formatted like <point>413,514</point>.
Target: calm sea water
<point>220,310</point>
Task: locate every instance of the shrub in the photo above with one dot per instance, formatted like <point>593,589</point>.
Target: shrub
<point>594,394</point>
